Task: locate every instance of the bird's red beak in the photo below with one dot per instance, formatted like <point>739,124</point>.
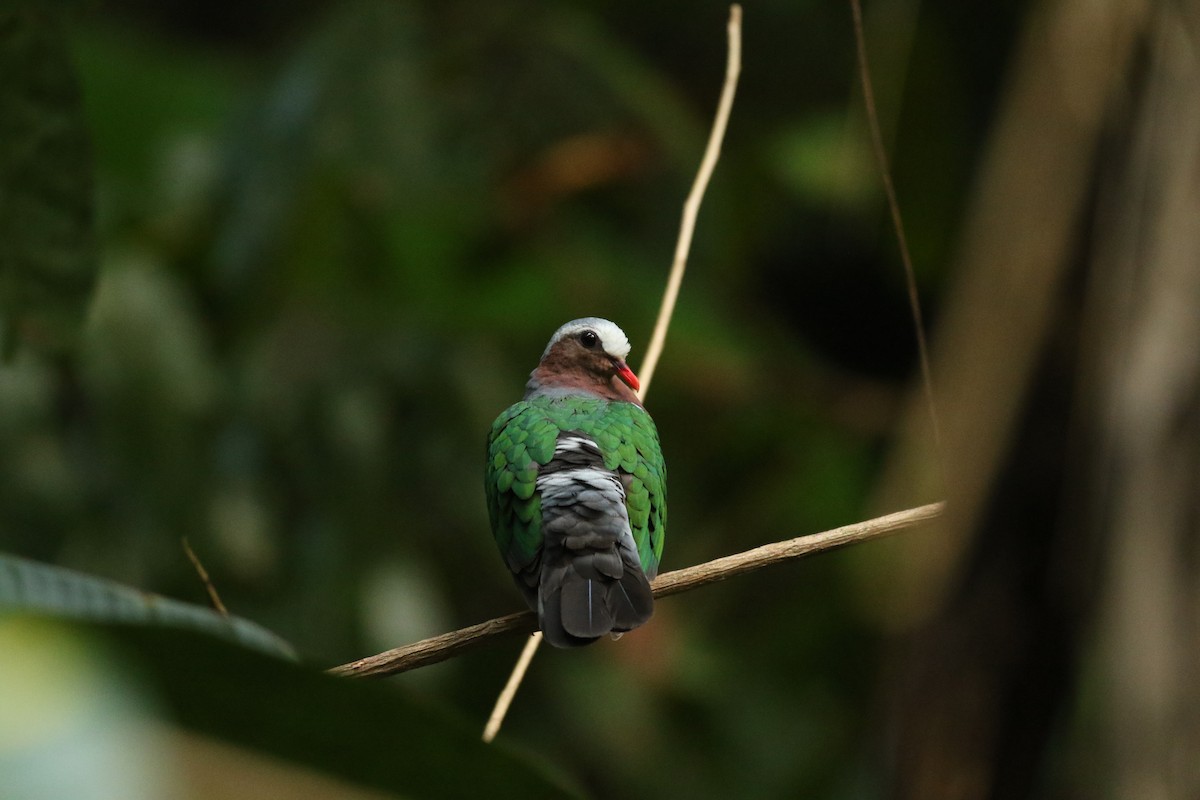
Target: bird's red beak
<point>626,375</point>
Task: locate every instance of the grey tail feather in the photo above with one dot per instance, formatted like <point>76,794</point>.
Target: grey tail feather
<point>584,608</point>
<point>590,580</point>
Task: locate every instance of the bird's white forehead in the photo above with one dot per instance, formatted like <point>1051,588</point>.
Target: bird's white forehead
<point>612,338</point>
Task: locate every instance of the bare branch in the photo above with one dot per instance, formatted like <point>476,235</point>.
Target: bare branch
<point>889,189</point>
<point>500,710</point>
<point>691,207</point>
<point>208,584</point>
<point>684,580</point>
<point>449,645</point>
<point>437,648</point>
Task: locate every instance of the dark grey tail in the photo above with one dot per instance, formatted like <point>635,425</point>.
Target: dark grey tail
<point>592,595</point>
<point>591,580</point>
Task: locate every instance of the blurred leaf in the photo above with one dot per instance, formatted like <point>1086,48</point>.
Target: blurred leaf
<point>360,730</point>
<point>97,711</point>
<point>74,721</point>
<point>47,264</point>
<point>29,586</point>
<point>822,158</point>
<point>144,349</point>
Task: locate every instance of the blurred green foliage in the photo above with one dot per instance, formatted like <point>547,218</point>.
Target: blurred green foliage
<point>47,262</point>
<point>87,711</point>
<point>333,240</point>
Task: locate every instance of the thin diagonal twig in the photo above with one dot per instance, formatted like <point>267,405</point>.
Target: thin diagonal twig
<point>500,710</point>
<point>448,645</point>
<point>885,175</point>
<point>691,207</point>
<point>208,584</point>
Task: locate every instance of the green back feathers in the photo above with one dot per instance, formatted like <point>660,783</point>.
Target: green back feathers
<point>523,438</point>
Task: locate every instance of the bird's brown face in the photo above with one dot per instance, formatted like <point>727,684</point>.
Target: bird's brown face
<point>581,360</point>
<point>595,359</point>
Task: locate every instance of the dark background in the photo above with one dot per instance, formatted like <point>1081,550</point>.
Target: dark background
<point>307,251</point>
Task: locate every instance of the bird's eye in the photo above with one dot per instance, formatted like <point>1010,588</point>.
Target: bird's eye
<point>589,339</point>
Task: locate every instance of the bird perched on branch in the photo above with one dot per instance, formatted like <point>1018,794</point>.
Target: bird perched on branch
<point>576,488</point>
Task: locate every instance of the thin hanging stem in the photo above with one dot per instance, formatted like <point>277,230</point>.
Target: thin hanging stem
<point>885,174</point>
<point>691,207</point>
<point>510,689</point>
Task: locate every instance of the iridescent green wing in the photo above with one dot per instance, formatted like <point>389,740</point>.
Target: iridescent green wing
<point>629,442</point>
<point>521,440</point>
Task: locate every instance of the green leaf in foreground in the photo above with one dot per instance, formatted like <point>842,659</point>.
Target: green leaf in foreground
<point>44,589</point>
<point>174,699</point>
<point>363,731</point>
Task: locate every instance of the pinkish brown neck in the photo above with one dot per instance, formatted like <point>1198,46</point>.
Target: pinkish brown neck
<point>608,388</point>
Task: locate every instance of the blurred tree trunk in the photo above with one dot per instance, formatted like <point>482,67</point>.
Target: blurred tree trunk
<point>1146,323</point>
<point>1055,620</point>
